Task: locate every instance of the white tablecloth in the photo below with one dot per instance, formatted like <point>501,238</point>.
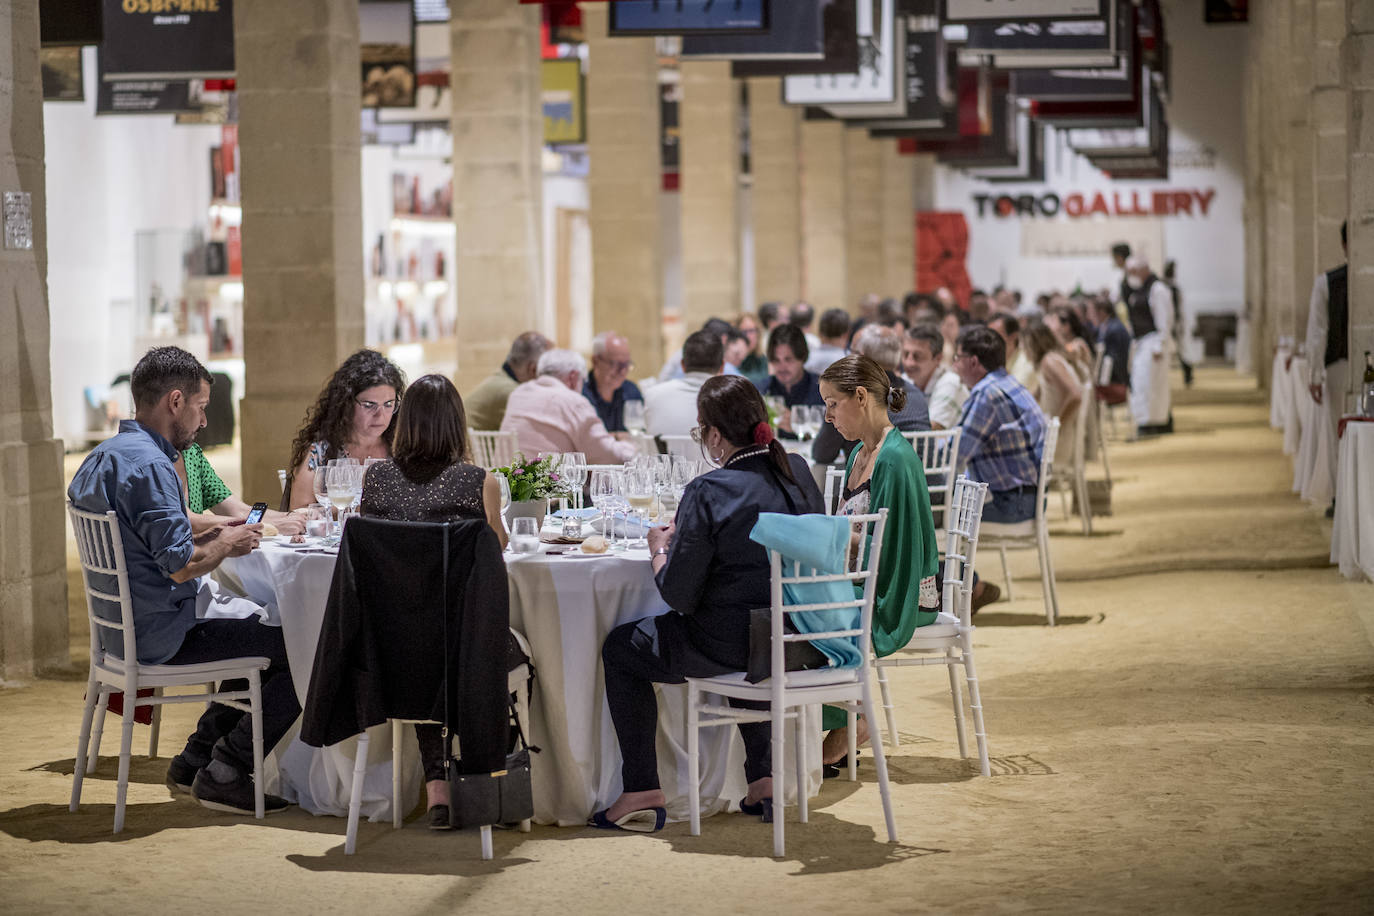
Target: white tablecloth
<point>1352,531</point>
<point>565,606</point>
<point>1280,392</point>
<point>1314,462</point>
<point>1295,389</point>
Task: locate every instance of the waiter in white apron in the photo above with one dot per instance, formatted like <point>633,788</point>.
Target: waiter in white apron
<point>1150,309</point>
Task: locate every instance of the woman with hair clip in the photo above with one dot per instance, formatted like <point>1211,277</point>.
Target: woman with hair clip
<point>354,417</point>
<point>430,478</point>
<point>711,574</point>
<point>883,473</point>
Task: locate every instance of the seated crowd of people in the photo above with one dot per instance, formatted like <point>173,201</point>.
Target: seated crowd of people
<point>997,371</point>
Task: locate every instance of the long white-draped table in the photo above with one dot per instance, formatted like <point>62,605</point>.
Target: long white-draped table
<point>1352,529</point>
<point>565,605</point>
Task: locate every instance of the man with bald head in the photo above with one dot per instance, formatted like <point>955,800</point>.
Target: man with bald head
<point>608,386</point>
<point>485,405</point>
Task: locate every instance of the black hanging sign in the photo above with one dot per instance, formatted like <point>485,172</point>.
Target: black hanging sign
<point>168,39</point>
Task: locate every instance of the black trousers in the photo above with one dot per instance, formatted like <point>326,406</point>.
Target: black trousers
<point>656,650</point>
<point>224,733</point>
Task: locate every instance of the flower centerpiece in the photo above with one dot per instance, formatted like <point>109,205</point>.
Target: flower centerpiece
<point>532,484</point>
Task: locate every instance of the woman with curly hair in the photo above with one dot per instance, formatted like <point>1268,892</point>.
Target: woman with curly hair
<point>354,417</point>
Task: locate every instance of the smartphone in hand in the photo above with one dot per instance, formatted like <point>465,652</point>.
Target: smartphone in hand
<point>255,514</point>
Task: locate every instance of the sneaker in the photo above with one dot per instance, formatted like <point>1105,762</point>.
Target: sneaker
<point>180,774</point>
<point>235,797</point>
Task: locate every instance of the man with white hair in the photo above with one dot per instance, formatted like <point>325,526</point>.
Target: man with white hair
<point>883,345</point>
<point>547,414</point>
<point>1150,309</point>
<point>608,386</point>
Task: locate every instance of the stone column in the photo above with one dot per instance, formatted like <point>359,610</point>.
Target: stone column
<point>623,187</point>
<point>775,204</point>
<point>1302,146</point>
<point>1258,308</point>
<point>863,202</point>
<point>33,554</point>
<point>1330,192</point>
<point>498,180</point>
<point>298,70</point>
<point>1358,61</point>
<point>825,282</point>
<point>899,220</point>
<point>709,118</point>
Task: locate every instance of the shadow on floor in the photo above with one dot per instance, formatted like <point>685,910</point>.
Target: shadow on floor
<point>142,770</point>
<point>1035,618</point>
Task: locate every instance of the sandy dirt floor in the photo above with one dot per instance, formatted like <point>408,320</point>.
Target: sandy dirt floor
<point>1195,737</point>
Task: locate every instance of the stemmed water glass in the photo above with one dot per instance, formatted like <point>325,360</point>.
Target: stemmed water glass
<point>639,494</point>
<point>605,493</point>
<point>574,471</point>
<point>634,416</point>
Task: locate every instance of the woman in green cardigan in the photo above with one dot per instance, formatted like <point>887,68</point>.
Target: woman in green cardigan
<point>884,473</point>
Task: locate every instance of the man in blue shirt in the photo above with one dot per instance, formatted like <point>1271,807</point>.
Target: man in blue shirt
<point>1003,427</point>
<point>134,475</point>
<point>608,386</point>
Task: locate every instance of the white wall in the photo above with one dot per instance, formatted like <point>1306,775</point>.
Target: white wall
<point>108,178</point>
<point>1204,111</point>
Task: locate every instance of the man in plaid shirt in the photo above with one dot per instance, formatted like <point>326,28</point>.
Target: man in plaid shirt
<point>1004,429</point>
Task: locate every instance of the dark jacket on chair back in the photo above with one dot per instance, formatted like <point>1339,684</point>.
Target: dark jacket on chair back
<point>380,653</point>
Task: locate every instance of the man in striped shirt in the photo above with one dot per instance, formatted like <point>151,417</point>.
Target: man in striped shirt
<point>1003,427</point>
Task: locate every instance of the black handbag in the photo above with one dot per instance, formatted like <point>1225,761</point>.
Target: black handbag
<point>501,797</point>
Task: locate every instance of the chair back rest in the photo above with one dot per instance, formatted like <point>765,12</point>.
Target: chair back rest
<point>1102,364</point>
<point>938,450</point>
<point>1046,461</point>
<point>281,478</point>
<point>492,448</point>
<point>963,520</point>
<point>867,532</point>
<point>1080,426</point>
<point>680,446</point>
<point>105,576</point>
<point>834,486</point>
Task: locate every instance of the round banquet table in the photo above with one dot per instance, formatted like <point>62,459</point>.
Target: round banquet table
<point>565,604</point>
<point>1352,526</point>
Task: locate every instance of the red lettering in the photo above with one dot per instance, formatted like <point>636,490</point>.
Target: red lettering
<point>1135,205</point>
<point>1159,203</point>
<point>1183,202</point>
<point>1204,199</point>
<point>1004,206</point>
<point>1099,204</point>
<point>1073,205</point>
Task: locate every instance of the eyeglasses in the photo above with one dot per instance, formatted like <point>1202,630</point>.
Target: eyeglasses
<point>697,433</point>
<point>373,406</point>
<point>618,366</point>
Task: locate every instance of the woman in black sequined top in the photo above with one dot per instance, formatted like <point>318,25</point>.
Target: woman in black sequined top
<point>429,478</point>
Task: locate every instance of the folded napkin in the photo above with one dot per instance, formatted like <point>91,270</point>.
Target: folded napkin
<point>820,543</point>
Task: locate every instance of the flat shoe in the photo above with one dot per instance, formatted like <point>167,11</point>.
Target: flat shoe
<point>833,770</point>
<point>438,818</point>
<point>645,820</point>
<point>989,594</point>
<point>763,809</point>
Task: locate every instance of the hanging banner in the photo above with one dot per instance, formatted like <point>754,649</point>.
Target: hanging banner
<point>433,103</point>
<point>795,30</point>
<point>877,79</point>
<point>1006,10</point>
<point>563,99</point>
<point>687,17</point>
<point>839,25</point>
<point>923,92</point>
<point>167,39</point>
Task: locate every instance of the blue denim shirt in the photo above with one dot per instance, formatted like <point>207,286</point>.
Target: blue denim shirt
<point>132,473</point>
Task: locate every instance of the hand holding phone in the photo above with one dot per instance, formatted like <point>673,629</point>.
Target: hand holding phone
<point>255,514</point>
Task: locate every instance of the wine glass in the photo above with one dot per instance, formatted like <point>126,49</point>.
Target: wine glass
<point>605,495</point>
<point>575,475</point>
<point>341,486</point>
<point>634,416</point>
<point>801,420</point>
<point>639,494</point>
<point>321,487</point>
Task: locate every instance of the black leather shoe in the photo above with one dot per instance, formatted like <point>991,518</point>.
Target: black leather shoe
<point>181,774</point>
<point>235,796</point>
<point>438,818</point>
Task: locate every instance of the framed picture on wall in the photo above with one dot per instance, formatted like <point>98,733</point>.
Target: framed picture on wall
<point>687,17</point>
<point>563,96</point>
<point>62,74</point>
<point>386,29</point>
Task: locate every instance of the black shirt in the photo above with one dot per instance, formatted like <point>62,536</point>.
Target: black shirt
<point>612,412</point>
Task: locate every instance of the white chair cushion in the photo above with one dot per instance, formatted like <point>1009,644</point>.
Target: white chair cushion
<point>945,626</point>
<point>815,677</point>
